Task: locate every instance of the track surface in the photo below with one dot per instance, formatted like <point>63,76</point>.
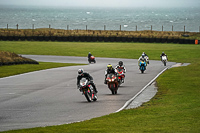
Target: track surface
<point>50,97</point>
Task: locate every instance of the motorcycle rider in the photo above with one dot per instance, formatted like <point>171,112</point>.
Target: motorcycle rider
<point>163,54</point>
<point>146,57</point>
<point>142,58</point>
<point>109,70</point>
<point>86,75</point>
<point>121,66</point>
<point>89,55</point>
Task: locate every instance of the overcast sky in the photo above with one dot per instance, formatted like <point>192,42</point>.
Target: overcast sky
<point>104,3</point>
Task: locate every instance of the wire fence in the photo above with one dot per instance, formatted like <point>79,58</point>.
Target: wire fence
<point>104,28</point>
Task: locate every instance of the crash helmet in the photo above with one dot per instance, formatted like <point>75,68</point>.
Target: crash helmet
<point>143,55</point>
<point>120,63</point>
<point>80,71</point>
<point>109,66</point>
<point>163,53</point>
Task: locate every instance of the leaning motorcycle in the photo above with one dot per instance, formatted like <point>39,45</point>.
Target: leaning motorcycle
<point>142,66</point>
<point>112,83</point>
<point>120,75</point>
<point>87,90</point>
<point>91,59</point>
<point>164,60</point>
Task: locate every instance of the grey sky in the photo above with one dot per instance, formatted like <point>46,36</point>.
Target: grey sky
<point>104,3</point>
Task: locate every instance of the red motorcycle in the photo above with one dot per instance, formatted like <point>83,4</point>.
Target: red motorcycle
<point>120,75</point>
<point>92,59</point>
<point>87,90</point>
<point>112,83</point>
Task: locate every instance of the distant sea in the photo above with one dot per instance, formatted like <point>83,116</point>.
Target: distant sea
<point>97,18</point>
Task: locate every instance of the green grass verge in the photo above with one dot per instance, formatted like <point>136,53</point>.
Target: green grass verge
<point>176,52</point>
<point>19,69</point>
<point>175,108</point>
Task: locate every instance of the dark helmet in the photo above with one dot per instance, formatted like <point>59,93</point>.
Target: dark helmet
<point>80,71</point>
<point>120,63</point>
<point>109,66</point>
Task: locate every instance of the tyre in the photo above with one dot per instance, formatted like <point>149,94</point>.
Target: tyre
<point>164,63</point>
<point>112,88</point>
<point>88,97</point>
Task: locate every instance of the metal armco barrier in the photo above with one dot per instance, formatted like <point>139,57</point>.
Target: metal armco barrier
<point>97,39</point>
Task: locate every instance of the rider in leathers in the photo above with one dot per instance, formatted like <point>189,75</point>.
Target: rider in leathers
<point>86,75</point>
<point>121,66</point>
<point>142,58</point>
<point>109,70</point>
<point>89,55</point>
<point>163,54</point>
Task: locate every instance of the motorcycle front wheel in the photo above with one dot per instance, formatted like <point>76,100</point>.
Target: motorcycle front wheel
<point>88,97</point>
<point>164,63</point>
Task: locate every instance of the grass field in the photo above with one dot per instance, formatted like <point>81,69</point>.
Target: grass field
<point>175,108</point>
<point>19,69</point>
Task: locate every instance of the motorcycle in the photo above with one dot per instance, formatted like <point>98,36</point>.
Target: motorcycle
<point>120,75</point>
<point>164,60</point>
<point>87,90</point>
<point>112,83</point>
<point>142,66</point>
<point>91,59</point>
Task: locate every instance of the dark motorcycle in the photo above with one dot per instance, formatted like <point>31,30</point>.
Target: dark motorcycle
<point>142,66</point>
<point>91,59</point>
<point>112,83</point>
<point>120,75</point>
<point>87,90</point>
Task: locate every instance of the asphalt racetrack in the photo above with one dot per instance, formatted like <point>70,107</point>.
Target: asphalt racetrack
<point>50,97</point>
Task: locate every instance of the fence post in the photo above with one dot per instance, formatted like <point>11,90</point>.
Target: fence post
<point>32,29</point>
<point>151,28</point>
<point>120,27</point>
<point>67,27</point>
<point>86,27</point>
<point>49,26</point>
<point>7,26</point>
<point>104,27</point>
<point>172,28</point>
<point>184,28</point>
<point>136,27</point>
<point>162,27</point>
<point>17,26</point>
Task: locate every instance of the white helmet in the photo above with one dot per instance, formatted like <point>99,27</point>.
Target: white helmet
<point>80,71</point>
<point>143,55</point>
